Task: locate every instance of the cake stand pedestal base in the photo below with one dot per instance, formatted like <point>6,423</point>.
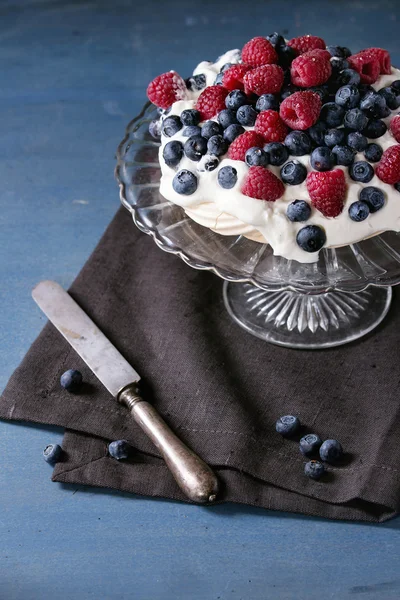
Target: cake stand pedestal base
<point>306,321</point>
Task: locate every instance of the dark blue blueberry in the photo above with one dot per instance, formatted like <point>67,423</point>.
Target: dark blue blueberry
<point>358,211</point>
<point>52,453</point>
<point>309,444</point>
<point>227,177</point>
<point>218,79</point>
<point>255,157</point>
<point>372,196</point>
<point>217,145</point>
<point>191,130</point>
<point>277,153</point>
<point>155,129</point>
<point>347,96</point>
<point>232,132</point>
<point>195,147</point>
<point>344,155</point>
<point>355,119</point>
<point>210,128</point>
<point>361,171</point>
<point>236,99</point>
<point>276,39</point>
<point>397,187</point>
<point>185,182</point>
<point>71,380</point>
<point>209,162</point>
<point>172,153</point>
<point>190,116</point>
<point>348,76</point>
<point>373,152</point>
<point>120,449</point>
<point>311,238</point>
<point>246,115</point>
<point>196,82</point>
<point>391,96</point>
<point>225,67</point>
<point>338,64</point>
<point>314,469</point>
<point>375,129</point>
<point>321,90</point>
<point>332,114</point>
<point>322,159</point>
<point>171,125</point>
<point>293,172</point>
<point>395,85</point>
<point>317,133</point>
<point>339,51</point>
<point>267,102</point>
<point>288,90</point>
<point>386,112</point>
<point>334,137</point>
<point>298,211</point>
<point>298,143</point>
<point>287,425</point>
<point>364,88</point>
<point>331,451</point>
<point>286,55</point>
<point>357,141</point>
<point>373,104</point>
<point>227,117</point>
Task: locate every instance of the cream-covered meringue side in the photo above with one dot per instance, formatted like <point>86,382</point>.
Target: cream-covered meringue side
<point>229,212</point>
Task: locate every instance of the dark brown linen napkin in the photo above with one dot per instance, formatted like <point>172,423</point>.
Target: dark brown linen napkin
<point>220,388</point>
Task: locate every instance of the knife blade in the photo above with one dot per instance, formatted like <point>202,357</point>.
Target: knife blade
<point>193,476</point>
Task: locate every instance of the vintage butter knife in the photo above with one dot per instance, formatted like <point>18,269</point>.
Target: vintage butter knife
<point>193,476</point>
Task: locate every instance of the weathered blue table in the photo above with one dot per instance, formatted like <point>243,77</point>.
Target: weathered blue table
<point>73,73</point>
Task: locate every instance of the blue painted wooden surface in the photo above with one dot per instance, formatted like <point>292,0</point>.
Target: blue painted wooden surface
<point>72,75</point>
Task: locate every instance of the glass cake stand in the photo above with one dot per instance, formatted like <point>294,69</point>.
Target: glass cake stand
<point>337,300</point>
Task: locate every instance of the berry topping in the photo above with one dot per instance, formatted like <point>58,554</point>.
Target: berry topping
<point>347,96</point>
<point>358,211</point>
<point>331,451</point>
<point>298,211</point>
<point>211,101</point>
<point>305,43</point>
<point>373,152</point>
<point>327,191</point>
<point>372,196</point>
<point>343,155</point>
<point>171,125</point>
<point>191,130</point>
<point>52,453</point>
<point>249,139</point>
<point>71,380</point>
<point>311,68</point>
<point>301,110</point>
<point>227,177</point>
<point>270,125</point>
<point>383,58</point>
<point>355,119</point>
<point>172,153</point>
<point>375,129</point>
<point>195,147</point>
<point>277,153</point>
<point>311,238</point>
<point>309,444</point>
<point>322,159</point>
<point>335,137</point>
<point>120,449</point>
<point>232,132</point>
<point>293,172</point>
<point>298,143</point>
<point>317,133</point>
<point>190,116</point>
<point>392,97</point>
<point>233,78</point>
<point>361,171</point>
<point>209,162</point>
<point>262,184</point>
<point>185,182</point>
<point>374,104</point>
<point>166,89</point>
<point>267,102</point>
<point>211,128</point>
<point>395,128</point>
<point>357,141</point>
<point>348,77</point>
<point>227,117</point>
<point>388,170</point>
<point>367,65</point>
<point>314,469</point>
<point>287,425</point>
<point>155,129</point>
<point>246,115</point>
<point>339,51</point>
<point>267,79</point>
<point>276,39</point>
<point>256,157</point>
<point>217,145</point>
<point>196,82</point>
<point>236,99</point>
<point>259,51</point>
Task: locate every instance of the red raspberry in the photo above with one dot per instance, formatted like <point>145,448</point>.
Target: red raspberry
<point>270,126</point>
<point>305,43</point>
<point>166,89</point>
<point>388,169</point>
<point>327,191</point>
<point>233,77</point>
<point>383,58</point>
<point>367,65</point>
<point>259,51</point>
<point>262,184</point>
<point>245,141</point>
<point>395,128</point>
<point>301,110</point>
<point>211,101</point>
<point>319,52</point>
<point>310,69</point>
<point>267,79</point>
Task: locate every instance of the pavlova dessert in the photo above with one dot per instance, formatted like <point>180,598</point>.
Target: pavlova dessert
<point>291,143</point>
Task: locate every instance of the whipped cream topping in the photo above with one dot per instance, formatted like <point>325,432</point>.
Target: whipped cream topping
<point>229,212</point>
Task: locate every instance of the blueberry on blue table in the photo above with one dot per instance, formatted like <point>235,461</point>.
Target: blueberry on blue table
<point>322,159</point>
<point>217,145</point>
<point>311,238</point>
<point>277,153</point>
<point>71,380</point>
<point>287,425</point>
<point>392,97</point>
<point>191,130</point>
<point>348,77</point>
<point>347,96</point>
<point>232,132</point>
<point>190,116</point>
<point>120,449</point>
<point>373,152</point>
<point>246,115</point>
<point>236,99</point>
<point>314,469</point>
<point>317,133</point>
<point>267,102</point>
<point>227,177</point>
<point>293,172</point>
<point>358,211</point>
<point>171,125</point>
<point>335,137</point>
<point>375,129</point>
<point>332,114</point>
<point>52,453</point>
<point>227,117</point>
<point>210,128</point>
<point>196,82</point>
<point>309,444</point>
<point>185,182</point>
<point>298,211</point>
<point>195,147</point>
<point>357,141</point>
<point>355,119</point>
<point>372,196</point>
<point>256,157</point>
<point>361,171</point>
<point>172,153</point>
<point>373,104</point>
<point>155,129</point>
<point>298,143</point>
<point>331,451</point>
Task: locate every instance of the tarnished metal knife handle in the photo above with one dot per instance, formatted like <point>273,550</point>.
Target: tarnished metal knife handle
<point>193,476</point>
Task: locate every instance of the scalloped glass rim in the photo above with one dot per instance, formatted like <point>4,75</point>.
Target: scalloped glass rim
<point>375,261</point>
